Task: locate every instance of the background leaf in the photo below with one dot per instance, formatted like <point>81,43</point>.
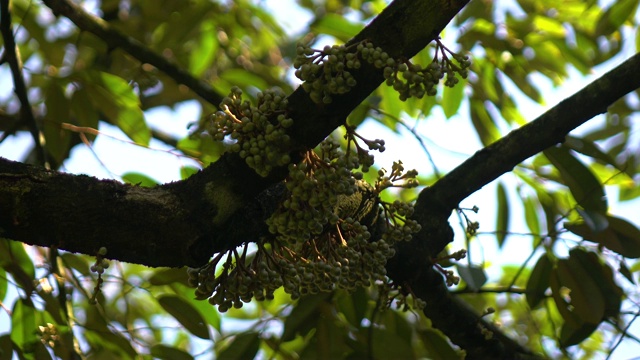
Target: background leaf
<point>502,219</point>
<point>165,352</point>
<point>138,179</point>
<point>473,276</point>
<point>539,281</point>
<point>243,346</point>
<point>584,186</point>
<point>114,98</point>
<point>621,236</point>
<point>186,315</point>
<point>57,139</point>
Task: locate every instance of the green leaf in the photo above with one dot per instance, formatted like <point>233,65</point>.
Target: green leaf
<point>243,346</point>
<point>564,308</point>
<point>203,53</point>
<point>303,316</point>
<point>359,114</point>
<point>57,139</point>
<point>573,334</point>
<point>6,347</point>
<point>474,276</point>
<point>551,27</point>
<point>76,262</point>
<point>602,275</point>
<point>452,98</point>
<point>139,179</point>
<point>243,78</point>
<point>596,221</point>
<point>391,106</point>
<point>531,215</point>
<point>584,186</point>
<point>502,220</point>
<point>616,15</point>
<point>166,276</point>
<point>13,256</point>
<point>186,315</point>
<point>523,82</point>
<point>337,26</point>
<point>329,339</point>
<point>483,122</point>
<point>40,351</point>
<point>623,269</point>
<point>52,306</point>
<point>4,284</point>
<point>345,305</point>
<point>389,345</point>
<point>510,111</point>
<point>202,147</point>
<point>211,317</point>
<point>629,193</point>
<point>187,171</point>
<point>586,298</point>
<point>113,97</point>
<point>163,352</point>
<point>538,282</point>
<point>396,323</point>
<point>110,345</point>
<point>84,112</point>
<point>437,345</point>
<point>24,330</point>
<point>590,148</point>
<point>361,300</point>
<point>620,236</point>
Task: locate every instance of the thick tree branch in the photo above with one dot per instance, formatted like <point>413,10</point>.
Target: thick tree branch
<point>114,39</point>
<point>15,64</point>
<point>547,130</point>
<point>402,29</point>
<point>412,264</point>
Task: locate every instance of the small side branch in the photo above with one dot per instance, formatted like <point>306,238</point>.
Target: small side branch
<point>115,39</point>
<point>12,56</point>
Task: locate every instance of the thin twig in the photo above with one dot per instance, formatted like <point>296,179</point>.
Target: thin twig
<point>12,56</point>
<point>114,39</point>
<point>496,290</point>
<point>417,136</point>
<point>623,335</point>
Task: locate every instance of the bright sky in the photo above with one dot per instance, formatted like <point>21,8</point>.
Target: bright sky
<point>449,141</point>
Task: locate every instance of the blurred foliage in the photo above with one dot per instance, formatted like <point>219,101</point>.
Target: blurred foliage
<point>575,297</point>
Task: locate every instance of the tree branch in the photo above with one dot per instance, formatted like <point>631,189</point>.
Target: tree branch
<point>15,64</point>
<point>547,130</point>
<point>114,39</point>
<point>402,29</point>
<point>411,266</point>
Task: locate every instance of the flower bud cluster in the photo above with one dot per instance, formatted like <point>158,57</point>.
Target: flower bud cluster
<point>101,264</point>
<point>99,267</point>
<point>314,186</point>
<point>399,226</point>
<point>343,258</point>
<point>259,131</point>
<point>397,178</point>
<point>364,157</point>
<point>412,80</point>
<point>316,244</point>
<point>49,335</point>
<point>328,71</point>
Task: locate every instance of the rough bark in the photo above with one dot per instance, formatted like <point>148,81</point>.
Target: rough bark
<point>219,191</point>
